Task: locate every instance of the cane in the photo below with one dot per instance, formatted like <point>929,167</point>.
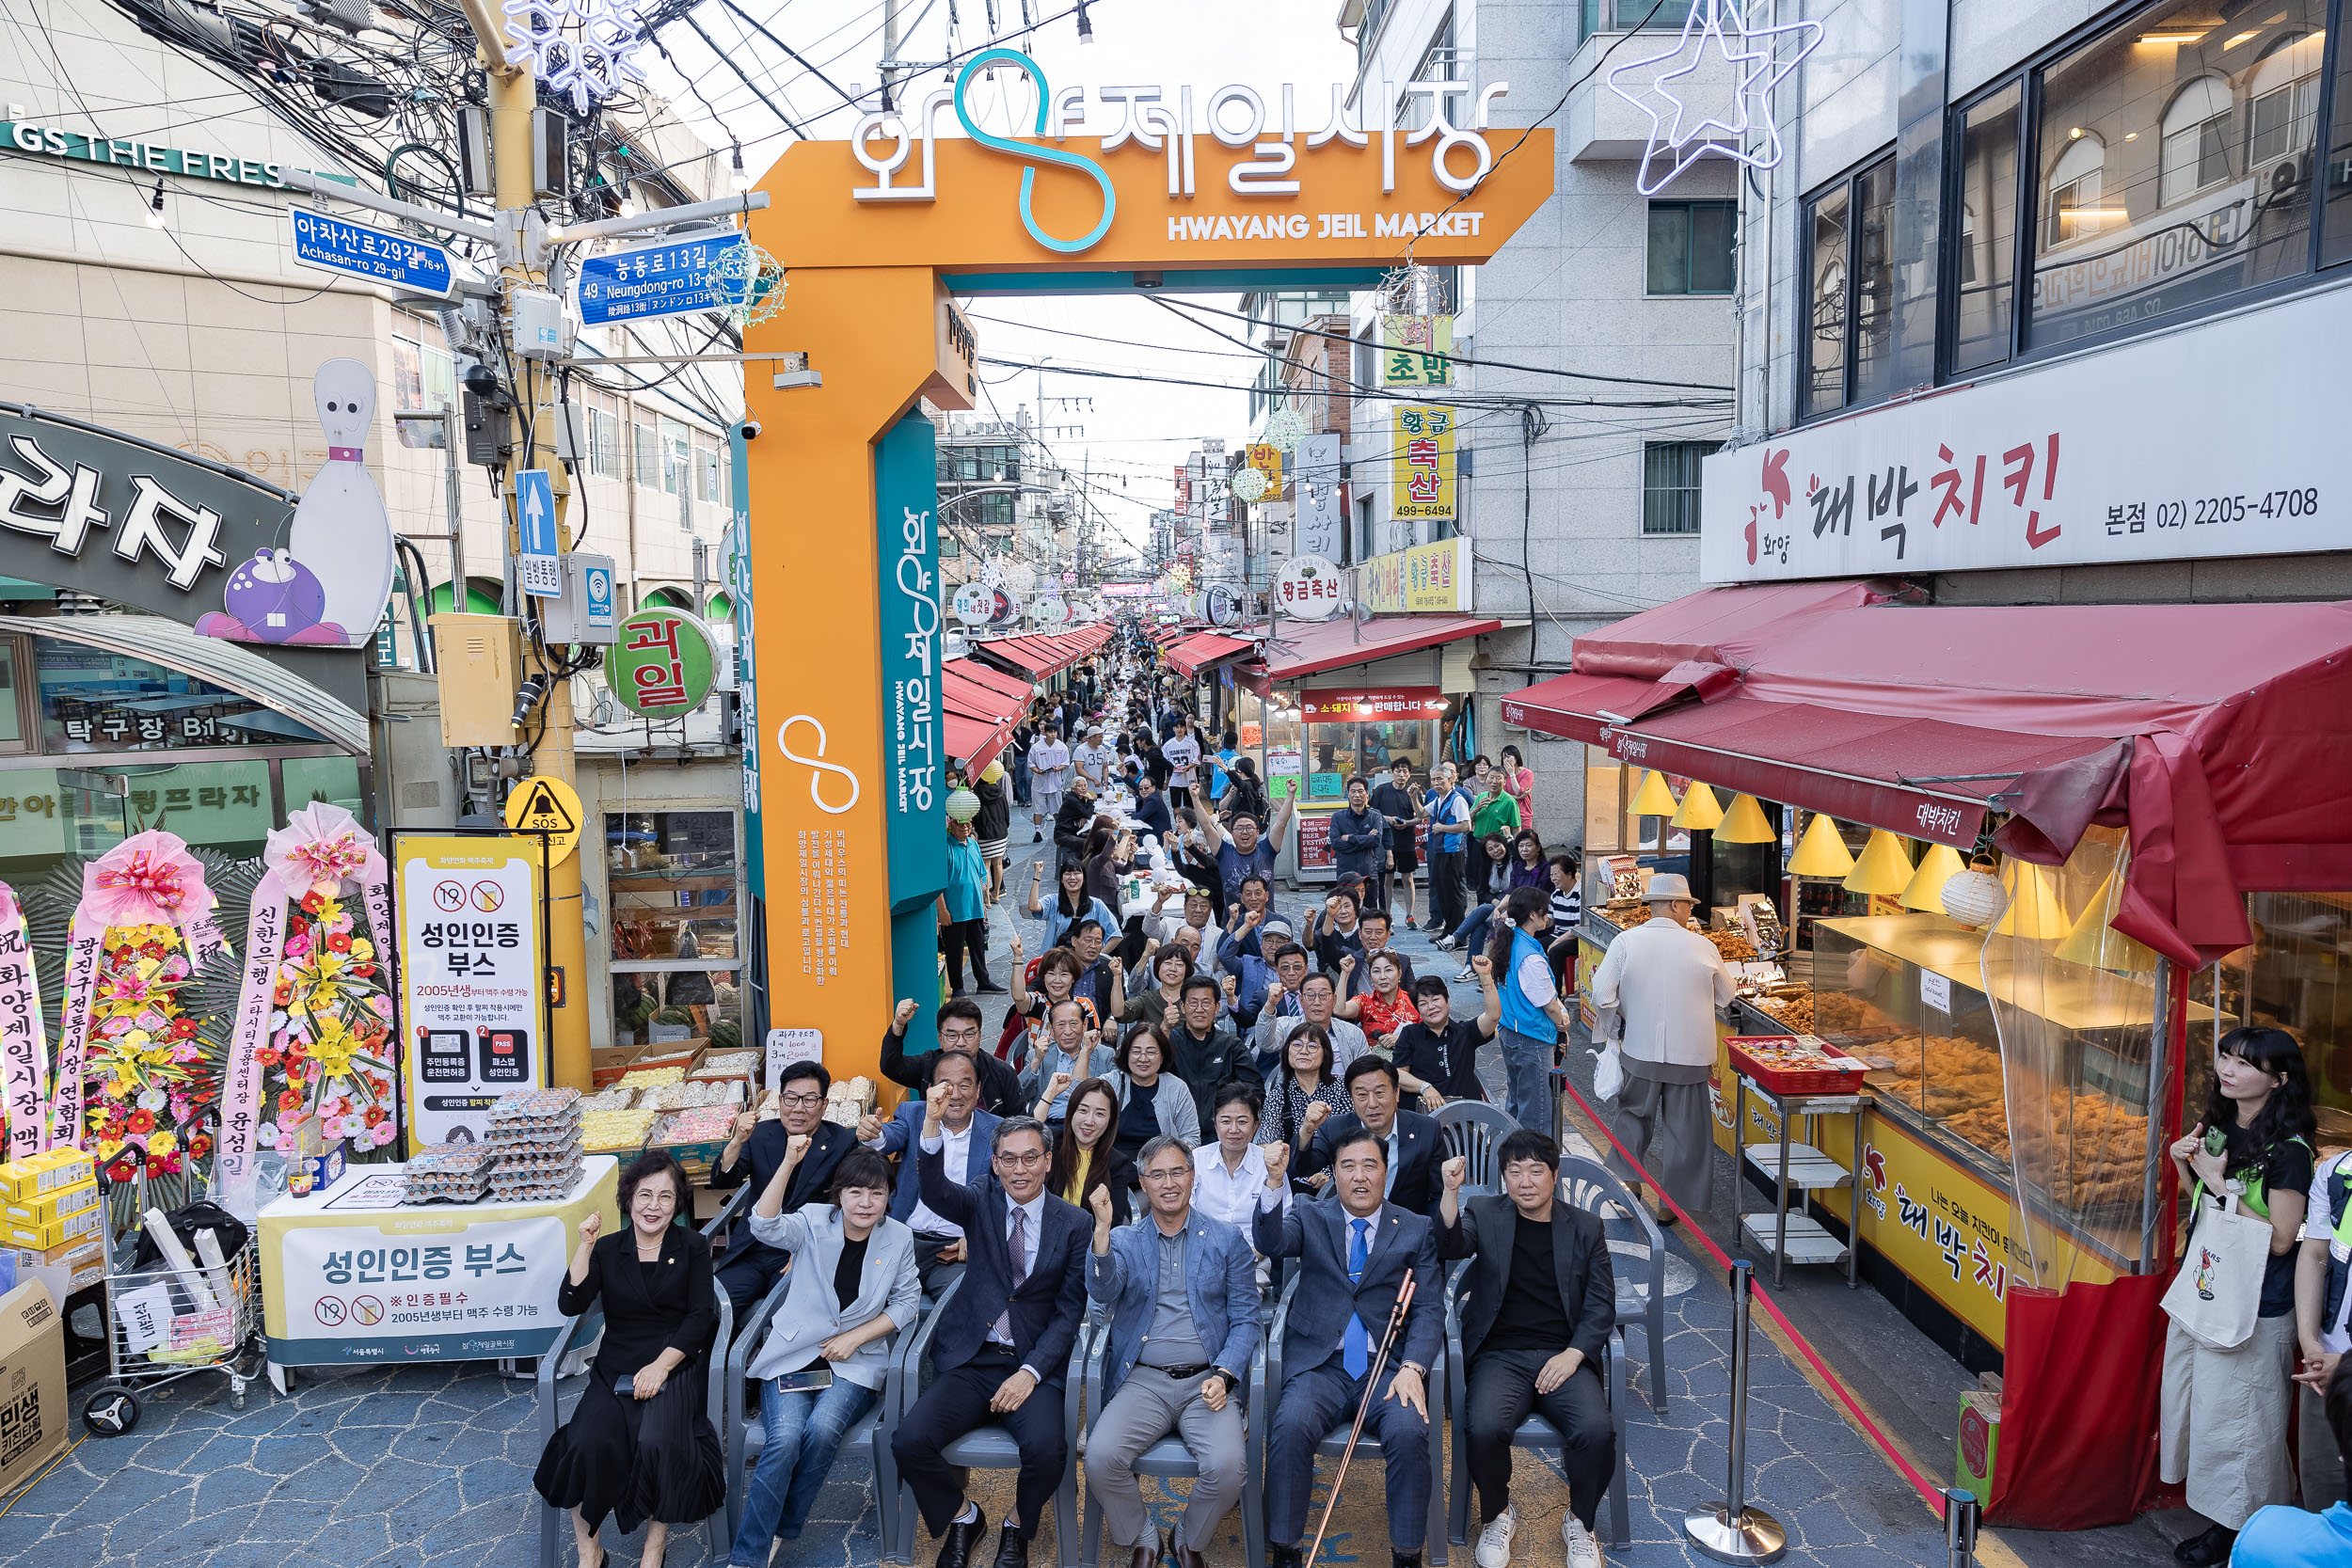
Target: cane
<point>1364,1408</point>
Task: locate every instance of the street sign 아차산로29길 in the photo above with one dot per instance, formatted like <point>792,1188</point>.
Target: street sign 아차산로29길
<point>674,277</point>
<point>341,246</point>
<point>537,572</point>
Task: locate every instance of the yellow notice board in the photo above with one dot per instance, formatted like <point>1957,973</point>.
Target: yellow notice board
<point>1420,462</point>
<point>473,993</point>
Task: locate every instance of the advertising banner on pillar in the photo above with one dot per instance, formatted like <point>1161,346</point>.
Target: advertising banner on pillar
<point>472,981</point>
<point>906,507</point>
<point>1319,520</point>
<point>2202,442</point>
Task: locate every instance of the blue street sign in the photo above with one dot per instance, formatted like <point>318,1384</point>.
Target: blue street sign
<point>341,246</point>
<point>670,279</point>
<point>537,572</point>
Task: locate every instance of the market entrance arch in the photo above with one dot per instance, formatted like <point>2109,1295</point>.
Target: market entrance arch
<point>879,237</point>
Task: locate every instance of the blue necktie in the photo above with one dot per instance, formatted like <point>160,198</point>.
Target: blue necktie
<point>1354,1349</point>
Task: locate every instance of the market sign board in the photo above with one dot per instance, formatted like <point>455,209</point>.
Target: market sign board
<point>1416,351</point>
<point>472,979</point>
<point>1308,588</point>
<point>150,157</point>
<point>1353,705</point>
<point>662,663</point>
<point>2188,445</point>
<point>1420,464</point>
<point>87,509</point>
<point>1426,578</point>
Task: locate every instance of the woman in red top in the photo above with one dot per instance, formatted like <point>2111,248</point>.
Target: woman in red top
<point>1518,782</point>
<point>1384,1009</point>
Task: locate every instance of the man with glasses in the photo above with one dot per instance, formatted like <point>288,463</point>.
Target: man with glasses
<point>959,1034</point>
<point>1182,1293</point>
<point>749,1267</point>
<point>1001,1356</point>
<point>939,1245</point>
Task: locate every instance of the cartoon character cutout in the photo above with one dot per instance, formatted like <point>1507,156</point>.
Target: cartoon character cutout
<point>328,584</point>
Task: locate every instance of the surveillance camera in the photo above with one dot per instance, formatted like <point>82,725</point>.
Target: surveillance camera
<point>751,430</point>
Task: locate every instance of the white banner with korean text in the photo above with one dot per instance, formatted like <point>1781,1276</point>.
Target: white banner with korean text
<point>2214,440</point>
<point>476,1291</point>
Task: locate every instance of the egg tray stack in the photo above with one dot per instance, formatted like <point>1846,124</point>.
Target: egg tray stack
<point>535,1134</point>
<point>448,1173</point>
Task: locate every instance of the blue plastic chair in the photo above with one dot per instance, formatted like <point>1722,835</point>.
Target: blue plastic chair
<point>1474,1130</point>
<point>1170,1457</point>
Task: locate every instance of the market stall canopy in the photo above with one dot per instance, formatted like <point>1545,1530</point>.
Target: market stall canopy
<point>979,711</point>
<point>2218,733</point>
<point>1308,650</point>
<point>1040,656</point>
<point>231,666</point>
<point>1203,649</point>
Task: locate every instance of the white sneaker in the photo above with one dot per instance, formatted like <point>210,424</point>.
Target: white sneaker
<point>1494,1542</point>
<point>1466,975</point>
<point>1584,1551</point>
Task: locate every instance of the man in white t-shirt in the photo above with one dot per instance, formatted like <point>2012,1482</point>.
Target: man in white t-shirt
<point>2323,1322</point>
<point>1094,757</point>
<point>1182,751</point>
<point>1664,981</point>
<point>1049,774</point>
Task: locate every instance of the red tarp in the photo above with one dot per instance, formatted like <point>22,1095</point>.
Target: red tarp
<point>1045,655</point>
<point>980,707</point>
<point>1201,650</point>
<point>1308,650</point>
<point>2217,732</point>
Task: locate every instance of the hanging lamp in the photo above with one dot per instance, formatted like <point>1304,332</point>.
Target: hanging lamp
<point>1821,852</point>
<point>1973,896</point>
<point>2035,910</point>
<point>1925,891</point>
<point>1744,823</point>
<point>1700,811</point>
<point>1884,867</point>
<point>2094,943</point>
<point>1653,798</point>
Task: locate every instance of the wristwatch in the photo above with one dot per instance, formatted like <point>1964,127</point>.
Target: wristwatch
<point>1231,1381</point>
<point>1415,1368</point>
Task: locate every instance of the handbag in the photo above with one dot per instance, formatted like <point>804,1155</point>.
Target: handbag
<point>1609,1071</point>
<point>2217,1293</point>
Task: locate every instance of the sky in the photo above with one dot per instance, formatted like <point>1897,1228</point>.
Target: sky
<point>1132,432</point>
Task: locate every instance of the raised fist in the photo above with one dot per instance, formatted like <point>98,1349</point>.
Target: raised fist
<point>744,1121</point>
<point>1347,963</point>
<point>1016,948</point>
<point>1056,1085</point>
<point>1100,1201</point>
<point>1273,989</point>
<point>1278,1164</point>
<point>1457,1170</point>
<point>904,1016</point>
<point>869,1127</point>
<point>590,1226</point>
<point>796,1148</point>
<point>935,1103</point>
<point>1316,1114</point>
<point>1482,966</point>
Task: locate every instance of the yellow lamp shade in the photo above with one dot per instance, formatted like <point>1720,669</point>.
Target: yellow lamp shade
<point>1743,823</point>
<point>1821,852</point>
<point>1925,891</point>
<point>1884,867</point>
<point>1700,811</point>
<point>2100,946</point>
<point>2035,908</point>
<point>1653,798</point>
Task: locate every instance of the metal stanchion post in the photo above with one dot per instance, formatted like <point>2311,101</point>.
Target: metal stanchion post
<point>1959,1527</point>
<point>1730,1532</point>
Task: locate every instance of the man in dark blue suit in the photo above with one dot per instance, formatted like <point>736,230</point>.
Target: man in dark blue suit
<point>964,1134</point>
<point>1002,1351</point>
<point>1355,1251</point>
<point>749,1267</point>
<point>1409,1141</point>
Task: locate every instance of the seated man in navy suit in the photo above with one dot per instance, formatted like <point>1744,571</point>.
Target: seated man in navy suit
<point>749,1267</point>
<point>1355,1251</point>
<point>964,1133</point>
<point>1409,1140</point>
<point>1002,1351</point>
<point>1538,1302</point>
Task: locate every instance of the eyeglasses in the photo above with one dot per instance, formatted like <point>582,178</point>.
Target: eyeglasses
<point>1021,1162</point>
<point>803,1100</point>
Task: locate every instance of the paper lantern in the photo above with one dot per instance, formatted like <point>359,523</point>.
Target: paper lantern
<point>1700,811</point>
<point>962,806</point>
<point>1925,891</point>
<point>1884,867</point>
<point>1821,852</point>
<point>1973,897</point>
<point>2100,946</point>
<point>2035,910</point>
<point>1744,823</point>
<point>1653,798</point>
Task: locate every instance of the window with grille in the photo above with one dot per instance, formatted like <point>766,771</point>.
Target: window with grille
<point>1669,485</point>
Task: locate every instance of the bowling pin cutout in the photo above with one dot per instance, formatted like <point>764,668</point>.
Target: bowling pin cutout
<point>341,531</point>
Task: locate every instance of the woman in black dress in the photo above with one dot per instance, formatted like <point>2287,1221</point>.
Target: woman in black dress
<point>639,1445</point>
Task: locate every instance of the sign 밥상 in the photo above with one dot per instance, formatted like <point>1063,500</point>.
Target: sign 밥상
<point>339,245</point>
<point>662,663</point>
<point>673,277</point>
<point>472,979</point>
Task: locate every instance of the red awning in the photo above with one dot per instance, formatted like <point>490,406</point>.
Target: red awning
<point>1011,686</point>
<point>1297,651</point>
<point>2218,733</point>
<point>980,707</point>
<point>1202,649</point>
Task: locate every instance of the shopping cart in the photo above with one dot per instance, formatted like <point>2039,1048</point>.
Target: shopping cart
<point>165,1324</point>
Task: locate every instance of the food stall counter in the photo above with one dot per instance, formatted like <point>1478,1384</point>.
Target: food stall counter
<point>351,1274</point>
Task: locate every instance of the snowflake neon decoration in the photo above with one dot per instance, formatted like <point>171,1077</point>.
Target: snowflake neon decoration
<point>1249,484</point>
<point>585,47</point>
<point>747,283</point>
<point>1752,54</point>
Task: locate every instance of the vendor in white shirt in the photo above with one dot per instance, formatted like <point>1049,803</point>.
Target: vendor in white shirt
<point>1229,1171</point>
<point>1094,757</point>
<point>1664,981</point>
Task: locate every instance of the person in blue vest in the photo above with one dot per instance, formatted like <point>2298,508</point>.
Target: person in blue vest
<point>1533,1017</point>
<point>2323,1325</point>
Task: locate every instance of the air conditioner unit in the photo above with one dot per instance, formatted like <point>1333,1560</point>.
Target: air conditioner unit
<point>2283,181</point>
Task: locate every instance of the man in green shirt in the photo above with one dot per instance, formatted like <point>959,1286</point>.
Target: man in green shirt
<point>1494,812</point>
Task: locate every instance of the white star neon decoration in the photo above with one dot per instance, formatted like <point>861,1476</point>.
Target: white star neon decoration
<point>585,47</point>
<point>1752,54</point>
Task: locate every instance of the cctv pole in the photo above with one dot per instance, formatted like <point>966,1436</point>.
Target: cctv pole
<point>514,98</point>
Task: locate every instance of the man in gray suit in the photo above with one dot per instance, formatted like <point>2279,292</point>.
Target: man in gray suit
<point>1182,1290</point>
<point>1355,1251</point>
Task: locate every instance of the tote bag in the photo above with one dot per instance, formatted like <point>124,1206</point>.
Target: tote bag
<point>2217,1293</point>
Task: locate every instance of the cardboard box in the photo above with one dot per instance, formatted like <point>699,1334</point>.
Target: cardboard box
<point>82,1225</point>
<point>52,1205</point>
<point>27,1180</point>
<point>75,1265</point>
<point>32,1373</point>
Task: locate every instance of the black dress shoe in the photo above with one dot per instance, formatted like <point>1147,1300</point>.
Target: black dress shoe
<point>1012,1549</point>
<point>2204,1551</point>
<point>954,1548</point>
<point>1405,1559</point>
<point>1279,1555</point>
